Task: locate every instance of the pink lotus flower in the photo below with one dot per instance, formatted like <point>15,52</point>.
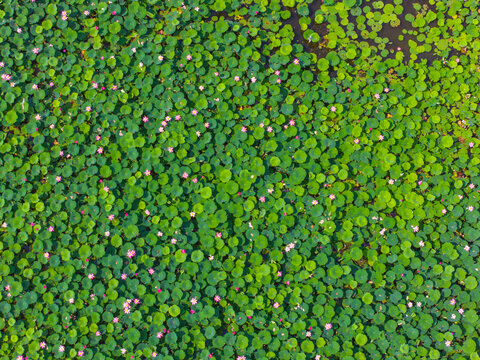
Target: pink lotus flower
<point>159,335</point>
<point>262,199</point>
<point>189,57</point>
<point>59,178</point>
<point>130,253</point>
<point>47,255</point>
<point>195,180</point>
<point>61,348</point>
<point>192,214</point>
<point>333,108</point>
<point>170,150</point>
<point>100,150</point>
<point>207,125</point>
<point>50,228</point>
<point>216,298</point>
<point>147,172</point>
<point>194,112</point>
<point>296,61</point>
<point>43,344</point>
<point>173,241</point>
<point>185,175</point>
<point>328,326</point>
<point>219,234</point>
<point>356,141</point>
<point>380,137</point>
<point>244,129</point>
<point>91,276</point>
<point>111,217</point>
<point>193,301</point>
<point>237,78</point>
<point>276,305</point>
<point>123,276</point>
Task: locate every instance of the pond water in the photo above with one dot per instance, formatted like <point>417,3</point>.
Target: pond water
<point>395,38</point>
<point>390,39</point>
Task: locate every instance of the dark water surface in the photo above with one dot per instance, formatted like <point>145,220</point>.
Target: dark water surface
<point>398,37</point>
